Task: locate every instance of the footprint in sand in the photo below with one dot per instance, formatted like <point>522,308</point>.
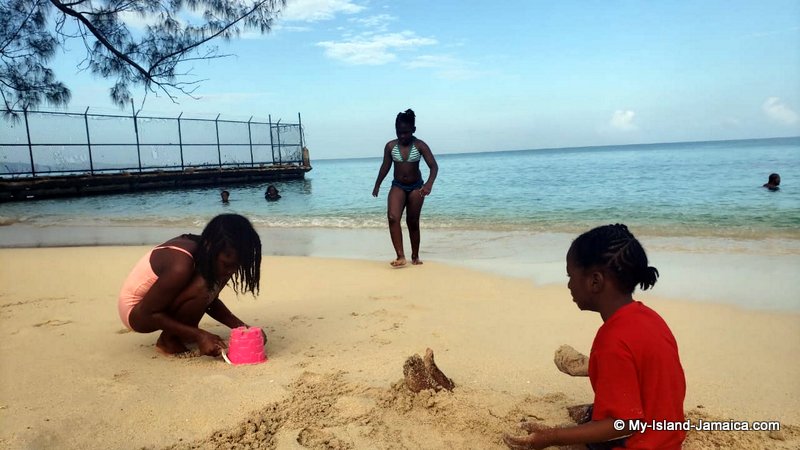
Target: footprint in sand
<point>395,326</point>
<point>53,323</point>
<point>313,437</point>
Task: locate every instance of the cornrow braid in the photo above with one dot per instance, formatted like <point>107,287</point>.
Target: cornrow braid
<point>615,248</point>
<point>235,232</point>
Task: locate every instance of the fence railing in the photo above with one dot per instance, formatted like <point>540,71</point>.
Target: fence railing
<point>47,143</point>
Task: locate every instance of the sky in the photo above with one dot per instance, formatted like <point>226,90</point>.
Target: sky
<point>508,75</point>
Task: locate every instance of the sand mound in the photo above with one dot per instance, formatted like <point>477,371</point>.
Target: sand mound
<point>324,411</point>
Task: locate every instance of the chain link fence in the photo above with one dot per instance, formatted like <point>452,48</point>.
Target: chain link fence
<point>48,143</point>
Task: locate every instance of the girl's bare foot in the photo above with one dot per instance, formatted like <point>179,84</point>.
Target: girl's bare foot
<point>571,361</point>
<point>416,261</point>
<point>170,345</point>
<point>437,375</point>
<point>399,262</point>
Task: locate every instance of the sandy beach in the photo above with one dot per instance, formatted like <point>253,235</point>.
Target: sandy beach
<point>339,332</point>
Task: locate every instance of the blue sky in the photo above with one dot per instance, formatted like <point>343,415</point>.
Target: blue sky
<point>509,75</point>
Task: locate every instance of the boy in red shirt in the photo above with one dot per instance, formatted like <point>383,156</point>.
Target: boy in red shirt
<point>634,366</point>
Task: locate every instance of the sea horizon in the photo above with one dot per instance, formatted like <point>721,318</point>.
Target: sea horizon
<point>591,147</point>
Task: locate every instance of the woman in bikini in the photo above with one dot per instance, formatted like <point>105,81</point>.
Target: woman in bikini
<point>408,188</point>
<point>176,283</point>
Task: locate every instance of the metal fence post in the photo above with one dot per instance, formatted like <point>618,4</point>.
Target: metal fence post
<point>271,144</point>
<point>250,138</point>
<point>30,146</point>
<point>180,140</point>
<point>300,129</point>
<point>136,130</point>
<point>219,152</point>
<point>278,135</point>
<point>88,140</point>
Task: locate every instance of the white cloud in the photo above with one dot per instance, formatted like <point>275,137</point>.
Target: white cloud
<point>775,109</point>
<point>378,23</point>
<point>136,21</point>
<point>373,49</point>
<point>290,28</point>
<point>318,10</point>
<point>623,120</point>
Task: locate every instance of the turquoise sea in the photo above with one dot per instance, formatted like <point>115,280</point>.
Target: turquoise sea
<point>676,189</point>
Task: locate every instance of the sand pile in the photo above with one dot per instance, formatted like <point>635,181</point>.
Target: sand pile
<point>325,411</point>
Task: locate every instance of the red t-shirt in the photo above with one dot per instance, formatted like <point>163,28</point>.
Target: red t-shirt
<point>636,373</point>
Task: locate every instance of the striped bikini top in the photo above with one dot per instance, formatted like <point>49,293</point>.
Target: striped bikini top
<point>413,154</point>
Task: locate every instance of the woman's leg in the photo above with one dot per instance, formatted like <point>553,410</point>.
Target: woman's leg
<point>413,210</point>
<point>396,203</point>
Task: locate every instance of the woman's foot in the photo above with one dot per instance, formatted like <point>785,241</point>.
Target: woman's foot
<point>416,261</point>
<point>170,345</point>
<point>399,262</point>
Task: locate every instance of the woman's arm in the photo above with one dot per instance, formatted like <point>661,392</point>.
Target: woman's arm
<point>384,170</point>
<point>432,165</point>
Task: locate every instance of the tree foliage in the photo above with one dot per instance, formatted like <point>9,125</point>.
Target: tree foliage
<point>156,56</point>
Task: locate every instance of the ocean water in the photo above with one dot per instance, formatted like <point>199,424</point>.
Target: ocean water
<point>678,189</point>
<point>709,227</point>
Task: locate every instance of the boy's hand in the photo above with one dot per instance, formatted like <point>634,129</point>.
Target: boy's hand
<point>537,438</point>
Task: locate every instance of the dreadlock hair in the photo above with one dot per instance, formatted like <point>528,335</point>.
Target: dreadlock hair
<point>406,117</point>
<point>613,247</point>
<point>231,231</point>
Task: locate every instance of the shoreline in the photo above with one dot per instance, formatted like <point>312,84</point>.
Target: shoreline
<point>751,274</point>
<point>339,331</point>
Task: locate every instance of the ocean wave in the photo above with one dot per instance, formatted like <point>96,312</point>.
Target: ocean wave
<point>5,221</point>
<point>574,226</point>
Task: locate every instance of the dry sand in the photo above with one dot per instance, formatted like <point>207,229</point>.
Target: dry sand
<point>339,331</point>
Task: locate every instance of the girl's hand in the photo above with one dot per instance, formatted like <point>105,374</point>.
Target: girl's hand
<point>425,190</point>
<point>375,191</point>
<point>210,344</point>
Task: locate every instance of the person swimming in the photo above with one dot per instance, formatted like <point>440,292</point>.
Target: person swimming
<point>773,182</point>
<point>272,193</point>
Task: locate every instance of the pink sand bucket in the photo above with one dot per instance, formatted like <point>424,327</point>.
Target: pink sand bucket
<point>246,346</point>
